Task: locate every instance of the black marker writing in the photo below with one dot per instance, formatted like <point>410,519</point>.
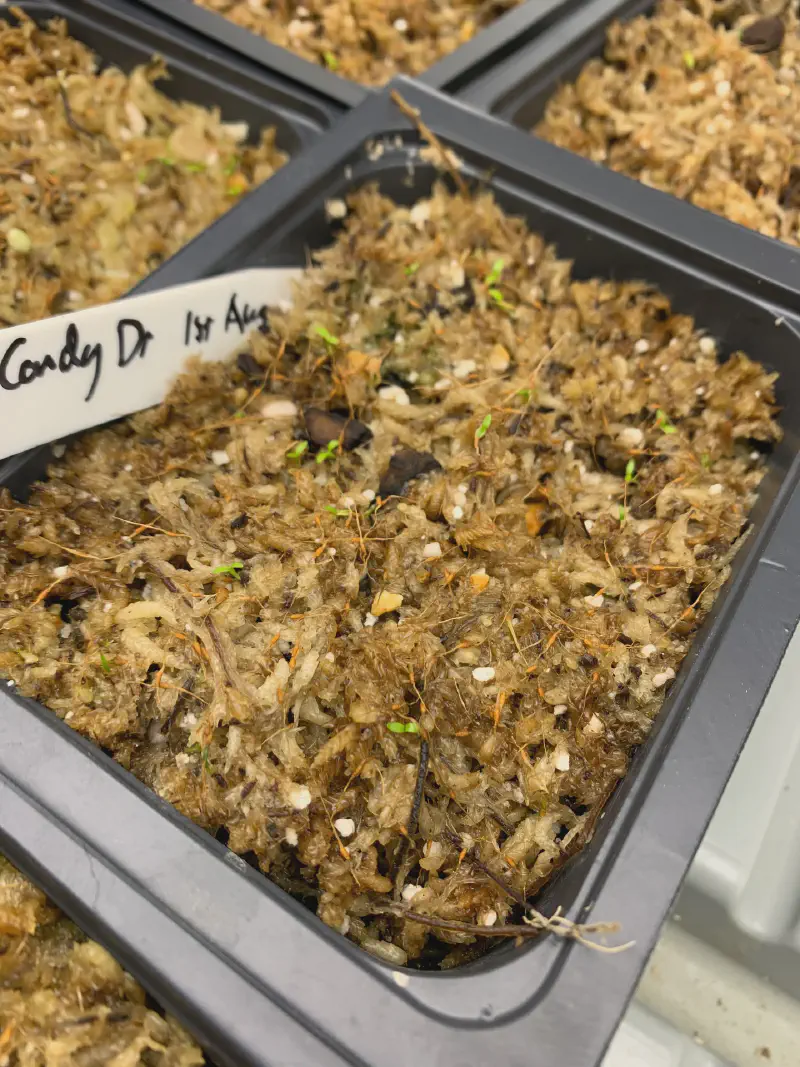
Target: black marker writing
<point>71,355</point>
<point>201,328</point>
<point>246,317</point>
<point>129,348</point>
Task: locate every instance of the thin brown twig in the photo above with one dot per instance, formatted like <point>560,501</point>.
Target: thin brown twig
<point>422,772</point>
<point>534,926</point>
<point>416,804</point>
<point>428,135</point>
<point>71,120</point>
<point>516,896</point>
<point>44,593</point>
<point>140,526</point>
<point>217,641</point>
<point>81,555</point>
<point>510,930</point>
<point>168,582</point>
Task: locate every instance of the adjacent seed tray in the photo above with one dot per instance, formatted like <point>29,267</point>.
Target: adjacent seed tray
<point>198,71</point>
<point>259,980</point>
<point>201,74</point>
<point>470,61</point>
<point>519,89</point>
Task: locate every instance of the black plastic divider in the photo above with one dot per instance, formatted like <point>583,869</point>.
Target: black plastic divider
<point>257,978</point>
<point>489,47</point>
<point>496,43</point>
<point>518,89</point>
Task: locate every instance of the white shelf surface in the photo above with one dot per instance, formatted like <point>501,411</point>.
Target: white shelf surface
<point>722,988</point>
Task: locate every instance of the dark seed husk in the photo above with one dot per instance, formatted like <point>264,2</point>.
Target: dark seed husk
<point>764,35</point>
<point>326,426</point>
<point>403,468</point>
<point>249,365</point>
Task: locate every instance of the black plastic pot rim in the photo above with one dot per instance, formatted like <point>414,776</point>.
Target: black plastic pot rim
<point>86,830</point>
<point>540,61</point>
<point>525,81</point>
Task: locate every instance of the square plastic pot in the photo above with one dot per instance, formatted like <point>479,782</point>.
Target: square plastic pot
<point>257,978</point>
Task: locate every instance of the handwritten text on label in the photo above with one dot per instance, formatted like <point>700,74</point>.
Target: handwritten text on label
<point>84,368</point>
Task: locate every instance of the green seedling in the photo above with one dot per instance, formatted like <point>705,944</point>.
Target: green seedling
<point>231,569</point>
<point>402,727</point>
<point>493,277</point>
<point>340,513</point>
<point>501,302</point>
<point>412,268</point>
<point>194,168</point>
<point>328,452</point>
<point>331,62</point>
<point>705,460</point>
<point>168,161</point>
<point>105,664</point>
<point>663,422</point>
<point>326,336</point>
<point>196,750</point>
<point>231,166</point>
<point>689,60</point>
<point>297,450</point>
<point>622,514</point>
<point>630,471</point>
<point>482,430</point>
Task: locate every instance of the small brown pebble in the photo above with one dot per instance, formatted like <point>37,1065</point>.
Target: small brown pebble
<point>764,35</point>
<point>404,467</point>
<point>325,426</point>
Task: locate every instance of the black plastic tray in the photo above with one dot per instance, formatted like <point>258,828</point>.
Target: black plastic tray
<point>518,88</point>
<point>450,74</point>
<point>199,73</point>
<point>258,979</point>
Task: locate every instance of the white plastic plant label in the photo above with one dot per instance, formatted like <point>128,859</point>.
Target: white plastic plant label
<point>78,370</point>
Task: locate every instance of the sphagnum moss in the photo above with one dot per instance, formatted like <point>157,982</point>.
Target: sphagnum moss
<point>444,633</point>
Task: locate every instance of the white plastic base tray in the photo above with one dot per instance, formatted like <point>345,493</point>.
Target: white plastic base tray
<point>723,985</point>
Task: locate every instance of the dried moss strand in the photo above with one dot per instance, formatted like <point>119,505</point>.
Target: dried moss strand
<point>516,896</point>
<point>68,113</point>
<point>427,134</point>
